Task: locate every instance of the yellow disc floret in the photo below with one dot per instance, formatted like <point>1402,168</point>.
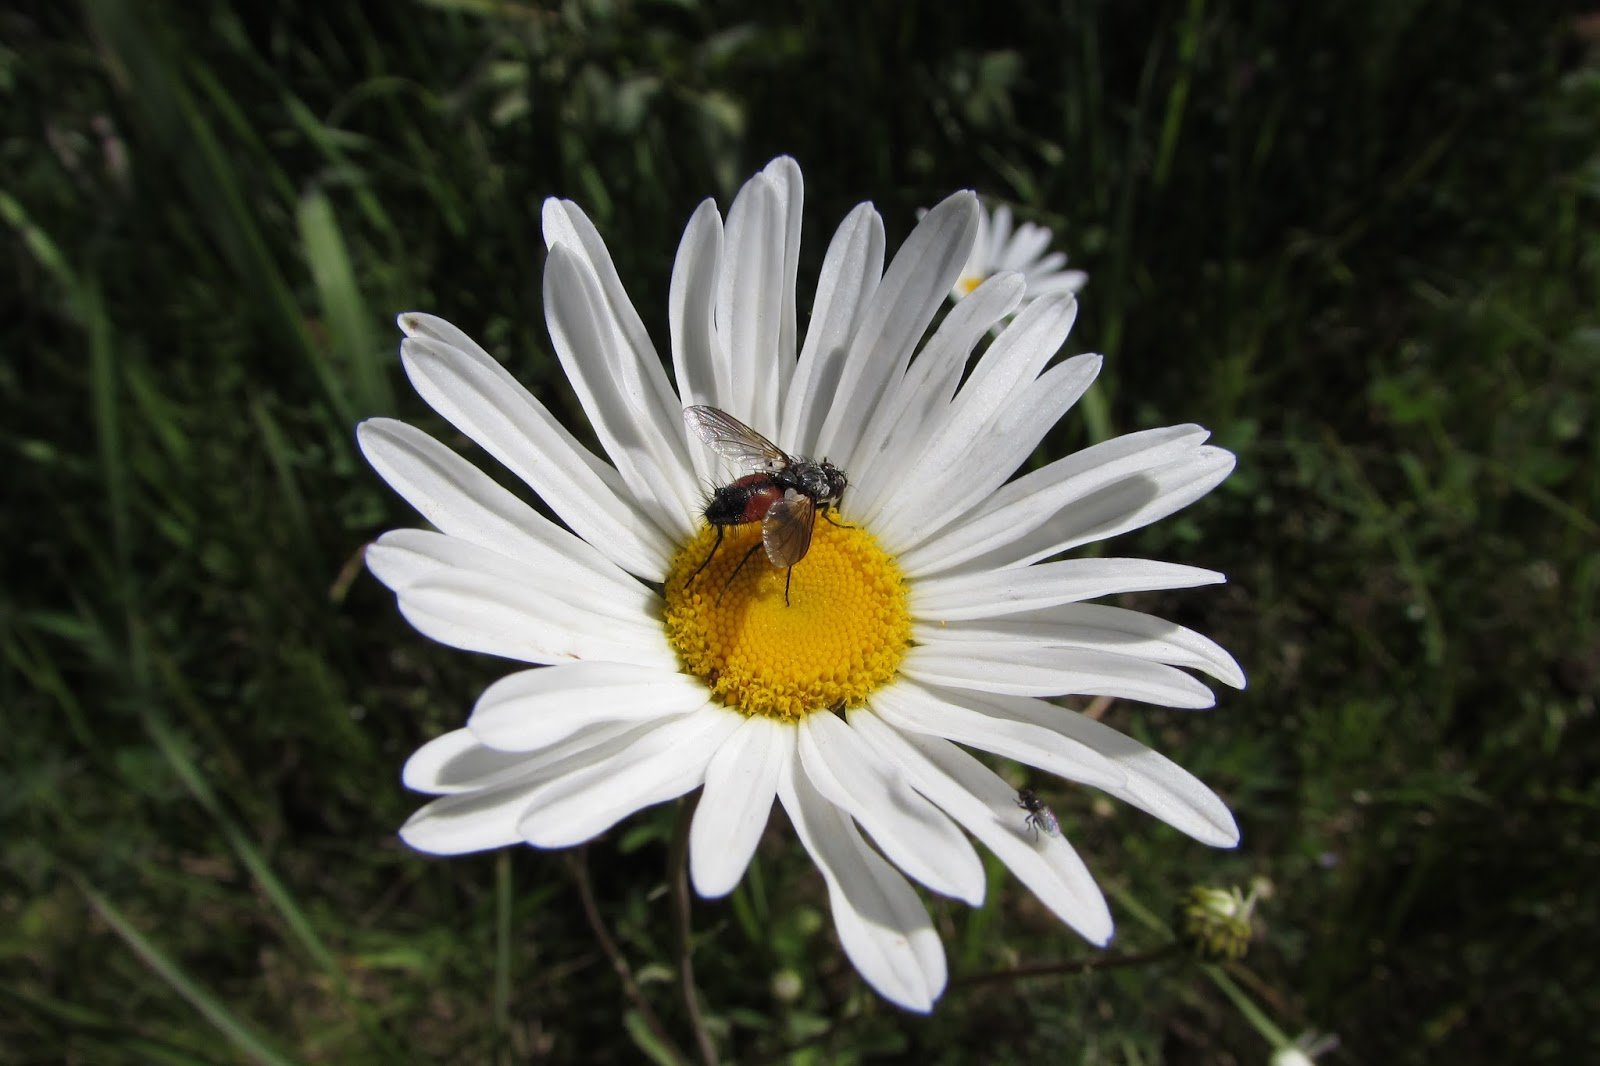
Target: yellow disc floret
<point>841,635</point>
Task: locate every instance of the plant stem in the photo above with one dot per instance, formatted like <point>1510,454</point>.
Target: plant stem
<point>578,867</point>
<point>678,878</point>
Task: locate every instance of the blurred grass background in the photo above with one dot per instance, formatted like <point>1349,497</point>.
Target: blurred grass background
<point>1360,241</point>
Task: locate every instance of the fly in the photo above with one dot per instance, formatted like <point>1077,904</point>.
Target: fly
<point>1039,816</point>
<point>782,492</point>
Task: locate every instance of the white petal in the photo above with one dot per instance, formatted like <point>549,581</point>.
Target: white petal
<point>1095,626</point>
<point>660,764</point>
<point>468,822</point>
<point>978,261</point>
<point>1032,500</point>
<point>991,592</point>
<point>486,816</point>
<point>1154,783</point>
<point>1021,425</point>
<point>910,832</point>
<point>902,306</point>
<point>970,268</point>
<point>482,400</point>
<point>1065,281</point>
<point>898,427</point>
<point>987,808</point>
<point>749,310</point>
<point>472,598</point>
<point>971,433</point>
<point>458,762</point>
<point>405,558</point>
<point>960,716</point>
<point>999,235</point>
<point>692,307</point>
<point>1023,250</point>
<point>1030,670</point>
<point>1047,265</point>
<point>1016,357</point>
<point>850,274</point>
<point>741,781</point>
<point>463,501</point>
<point>634,411</point>
<point>566,224</point>
<point>1126,505</point>
<point>535,708</point>
<point>884,929</point>
<point>785,175</point>
<point>432,327</point>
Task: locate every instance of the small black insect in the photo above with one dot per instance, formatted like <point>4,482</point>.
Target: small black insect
<point>1039,816</point>
<point>782,492</point>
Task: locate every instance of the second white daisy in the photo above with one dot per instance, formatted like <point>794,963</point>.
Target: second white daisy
<point>1001,246</point>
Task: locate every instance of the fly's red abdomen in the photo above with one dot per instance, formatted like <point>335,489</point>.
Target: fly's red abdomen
<point>745,500</point>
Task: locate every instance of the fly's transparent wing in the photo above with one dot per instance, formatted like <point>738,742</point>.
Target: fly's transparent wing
<point>735,441</point>
<point>786,530</point>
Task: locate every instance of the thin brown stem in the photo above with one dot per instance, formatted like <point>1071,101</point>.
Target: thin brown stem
<point>678,878</point>
<point>578,867</point>
<point>1078,966</point>
<point>1274,998</point>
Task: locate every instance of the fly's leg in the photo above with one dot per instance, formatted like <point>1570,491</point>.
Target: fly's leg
<point>840,525</point>
<point>753,548</point>
<point>714,546</point>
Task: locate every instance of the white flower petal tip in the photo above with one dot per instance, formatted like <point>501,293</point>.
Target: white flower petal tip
<point>647,767</point>
<point>476,823</point>
<point>412,323</point>
<point>420,324</point>
<point>882,925</point>
<point>1094,627</point>
<point>741,783</point>
<point>1149,780</point>
<point>987,807</point>
<point>476,599</point>
<point>455,762</point>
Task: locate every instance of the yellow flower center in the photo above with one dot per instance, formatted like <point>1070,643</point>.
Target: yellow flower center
<point>968,283</point>
<point>841,635</point>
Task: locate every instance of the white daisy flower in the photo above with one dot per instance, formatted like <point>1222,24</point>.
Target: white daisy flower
<point>1001,246</point>
<point>934,614</point>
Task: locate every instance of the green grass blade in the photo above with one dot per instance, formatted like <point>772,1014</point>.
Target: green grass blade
<point>152,73</point>
<point>1178,96</point>
<point>44,250</point>
<point>352,329</point>
<point>238,1032</point>
<point>278,454</point>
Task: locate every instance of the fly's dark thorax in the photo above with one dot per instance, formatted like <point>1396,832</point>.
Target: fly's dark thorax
<point>821,481</point>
